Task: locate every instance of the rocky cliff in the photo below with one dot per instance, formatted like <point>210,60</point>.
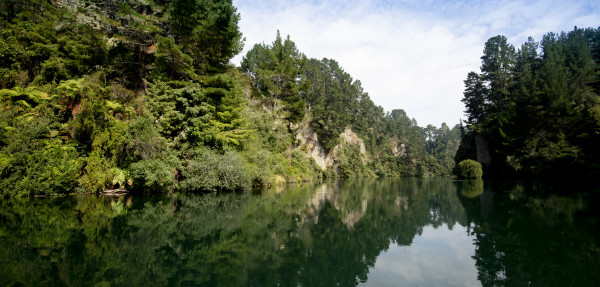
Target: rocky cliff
<point>309,141</point>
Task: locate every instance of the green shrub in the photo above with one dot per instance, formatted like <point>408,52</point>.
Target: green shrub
<point>102,163</point>
<point>32,160</point>
<point>259,163</point>
<point>351,162</point>
<point>469,169</point>
<point>143,141</point>
<point>50,169</point>
<point>98,173</point>
<point>209,171</point>
<point>153,175</point>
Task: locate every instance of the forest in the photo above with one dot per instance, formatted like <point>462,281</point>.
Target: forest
<point>140,95</point>
<point>534,112</point>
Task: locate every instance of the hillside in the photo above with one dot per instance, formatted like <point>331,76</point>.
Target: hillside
<point>140,95</point>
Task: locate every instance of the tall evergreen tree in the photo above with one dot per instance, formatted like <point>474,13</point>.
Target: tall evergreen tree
<point>497,64</point>
<point>275,72</point>
<point>208,31</point>
<point>475,99</point>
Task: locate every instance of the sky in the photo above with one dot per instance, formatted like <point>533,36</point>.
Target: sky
<point>409,54</point>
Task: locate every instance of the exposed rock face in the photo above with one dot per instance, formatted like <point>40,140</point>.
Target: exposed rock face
<point>398,148</point>
<point>348,136</point>
<point>309,140</point>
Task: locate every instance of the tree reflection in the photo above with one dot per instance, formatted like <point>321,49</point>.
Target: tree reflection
<point>311,236</point>
<point>527,236</point>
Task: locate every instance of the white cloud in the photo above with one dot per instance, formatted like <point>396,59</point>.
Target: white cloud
<point>438,257</point>
<point>411,55</point>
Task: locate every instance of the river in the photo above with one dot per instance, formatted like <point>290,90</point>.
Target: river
<point>380,232</point>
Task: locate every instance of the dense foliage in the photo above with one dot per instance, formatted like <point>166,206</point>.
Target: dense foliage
<point>469,169</point>
<point>536,114</point>
<point>140,95</point>
<point>115,94</point>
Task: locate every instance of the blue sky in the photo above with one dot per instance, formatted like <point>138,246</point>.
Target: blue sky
<point>410,54</point>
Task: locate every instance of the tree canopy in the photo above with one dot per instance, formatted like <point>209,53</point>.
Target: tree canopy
<point>536,107</point>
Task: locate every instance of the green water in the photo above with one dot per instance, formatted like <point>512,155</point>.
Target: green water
<point>387,232</point>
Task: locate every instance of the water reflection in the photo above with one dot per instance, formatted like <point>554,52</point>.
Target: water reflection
<point>528,234</point>
<point>372,232</point>
<point>438,257</point>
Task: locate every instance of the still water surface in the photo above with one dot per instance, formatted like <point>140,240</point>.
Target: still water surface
<point>386,232</point>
